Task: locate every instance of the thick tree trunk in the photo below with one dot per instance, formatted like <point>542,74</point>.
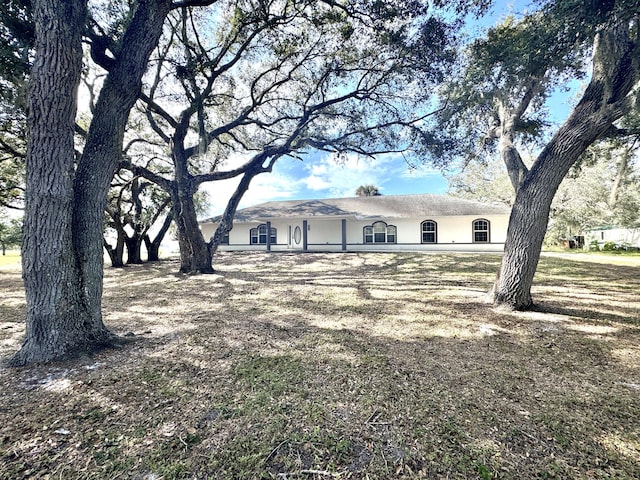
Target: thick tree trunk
<point>195,254</point>
<point>116,254</point>
<point>527,227</point>
<point>134,249</point>
<point>153,250</point>
<point>63,258</point>
<point>153,246</point>
<point>606,99</point>
<point>57,322</point>
<point>103,147</point>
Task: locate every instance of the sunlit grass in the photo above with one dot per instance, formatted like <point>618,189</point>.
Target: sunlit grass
<point>10,259</point>
<point>347,366</point>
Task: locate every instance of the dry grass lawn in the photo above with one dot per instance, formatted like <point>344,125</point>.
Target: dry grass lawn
<point>319,366</point>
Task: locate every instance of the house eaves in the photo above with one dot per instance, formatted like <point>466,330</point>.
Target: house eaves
<point>362,208</point>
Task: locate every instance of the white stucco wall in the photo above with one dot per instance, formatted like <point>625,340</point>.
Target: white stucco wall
<point>208,229</point>
<point>453,233</point>
<point>323,231</point>
<point>620,236</point>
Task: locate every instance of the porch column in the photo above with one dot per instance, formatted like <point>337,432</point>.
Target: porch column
<point>268,236</point>
<point>305,227</point>
<point>344,234</point>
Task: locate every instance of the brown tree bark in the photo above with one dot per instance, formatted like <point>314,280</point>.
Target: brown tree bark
<point>58,321</point>
<point>609,95</point>
<point>103,146</point>
<point>153,246</point>
<point>63,258</point>
<point>195,254</point>
<point>116,253</point>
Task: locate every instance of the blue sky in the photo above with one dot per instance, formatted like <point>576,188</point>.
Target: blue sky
<point>320,176</point>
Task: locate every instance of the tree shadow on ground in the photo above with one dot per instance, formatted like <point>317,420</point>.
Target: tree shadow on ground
<point>351,365</point>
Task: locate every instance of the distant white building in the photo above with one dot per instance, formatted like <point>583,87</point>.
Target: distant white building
<point>377,223</point>
<point>626,237</point>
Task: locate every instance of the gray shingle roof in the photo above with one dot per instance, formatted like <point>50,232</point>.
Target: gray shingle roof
<point>384,206</point>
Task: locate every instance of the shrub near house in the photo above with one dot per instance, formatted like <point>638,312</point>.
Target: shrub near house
<point>613,238</point>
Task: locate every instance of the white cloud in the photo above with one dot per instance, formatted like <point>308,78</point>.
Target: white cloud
<point>263,188</point>
<point>319,169</point>
<point>315,182</point>
<point>322,176</point>
<point>342,178</point>
<point>270,186</point>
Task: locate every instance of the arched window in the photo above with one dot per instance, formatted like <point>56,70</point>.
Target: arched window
<point>481,231</point>
<point>258,235</point>
<point>380,232</point>
<point>429,230</point>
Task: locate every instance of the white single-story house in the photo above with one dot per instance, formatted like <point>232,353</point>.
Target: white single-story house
<point>621,237</point>
<point>376,223</point>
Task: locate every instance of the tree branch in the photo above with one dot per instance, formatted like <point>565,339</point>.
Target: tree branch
<point>191,3</point>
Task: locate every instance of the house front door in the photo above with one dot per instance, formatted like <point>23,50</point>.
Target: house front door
<point>295,237</point>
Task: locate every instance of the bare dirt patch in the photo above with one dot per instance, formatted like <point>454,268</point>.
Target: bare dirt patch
<point>336,366</point>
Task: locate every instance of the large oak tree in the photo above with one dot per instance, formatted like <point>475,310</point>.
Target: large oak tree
<point>275,79</point>
<point>135,207</point>
<point>67,193</point>
<point>66,197</point>
<point>509,75</point>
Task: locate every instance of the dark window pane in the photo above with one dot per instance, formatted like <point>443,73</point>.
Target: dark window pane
<point>428,237</point>
<point>481,237</point>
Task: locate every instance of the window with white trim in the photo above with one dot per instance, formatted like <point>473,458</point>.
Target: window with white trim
<point>258,235</point>
<point>429,230</point>
<point>481,231</point>
<point>380,232</point>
